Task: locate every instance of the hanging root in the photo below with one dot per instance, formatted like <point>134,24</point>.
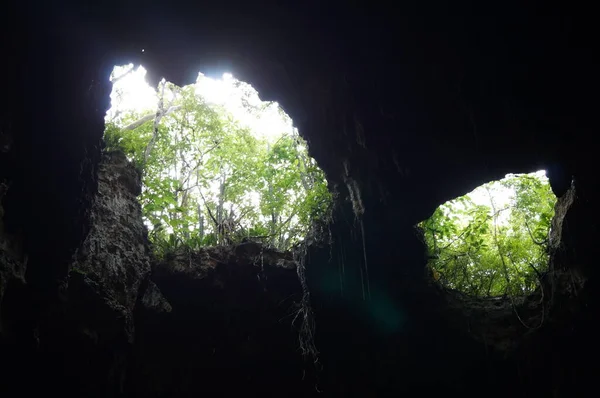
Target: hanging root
<point>305,314</point>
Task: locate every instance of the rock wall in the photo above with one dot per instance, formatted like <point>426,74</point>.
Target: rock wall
<point>114,259</point>
<point>79,339</point>
<point>13,263</point>
<point>232,326</point>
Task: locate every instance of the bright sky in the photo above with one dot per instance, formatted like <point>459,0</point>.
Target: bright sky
<point>270,123</point>
<point>500,194</point>
<point>136,94</point>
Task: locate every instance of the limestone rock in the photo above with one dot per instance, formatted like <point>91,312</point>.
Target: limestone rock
<point>114,259</point>
<point>153,299</point>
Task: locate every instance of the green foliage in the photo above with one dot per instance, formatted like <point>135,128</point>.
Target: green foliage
<point>492,250</point>
<point>208,180</point>
<point>112,136</point>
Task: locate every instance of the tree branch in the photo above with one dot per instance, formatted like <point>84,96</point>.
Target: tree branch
<point>209,212</point>
<point>531,235</point>
<point>149,117</point>
<point>116,79</point>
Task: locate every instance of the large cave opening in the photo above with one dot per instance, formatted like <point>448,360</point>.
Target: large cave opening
<point>219,166</point>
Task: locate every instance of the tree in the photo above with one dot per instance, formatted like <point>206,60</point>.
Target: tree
<point>209,180</point>
<point>492,250</point>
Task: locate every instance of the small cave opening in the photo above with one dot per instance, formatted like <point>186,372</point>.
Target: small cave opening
<point>218,165</point>
<point>495,240</point>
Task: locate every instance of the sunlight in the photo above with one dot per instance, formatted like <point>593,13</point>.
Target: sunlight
<point>265,119</point>
<point>130,92</point>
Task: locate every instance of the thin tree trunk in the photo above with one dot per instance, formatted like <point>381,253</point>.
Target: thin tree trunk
<point>273,229</point>
<point>200,223</point>
<point>159,115</point>
<point>497,242</point>
<point>200,216</point>
<point>220,215</point>
<point>307,180</point>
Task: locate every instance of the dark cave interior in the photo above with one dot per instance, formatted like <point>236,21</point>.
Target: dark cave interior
<point>405,109</point>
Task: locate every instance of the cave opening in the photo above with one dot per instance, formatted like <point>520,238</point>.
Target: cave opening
<point>219,166</point>
<point>493,241</point>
